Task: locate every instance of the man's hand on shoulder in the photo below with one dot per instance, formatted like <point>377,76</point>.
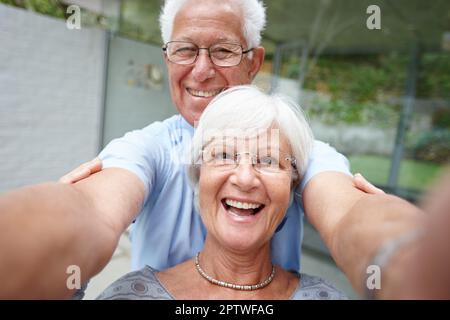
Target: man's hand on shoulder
<point>82,172</point>
<point>362,184</point>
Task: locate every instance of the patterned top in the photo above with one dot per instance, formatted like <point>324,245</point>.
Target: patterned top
<point>144,285</point>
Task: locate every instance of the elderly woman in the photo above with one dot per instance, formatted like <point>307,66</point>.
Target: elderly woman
<point>249,152</point>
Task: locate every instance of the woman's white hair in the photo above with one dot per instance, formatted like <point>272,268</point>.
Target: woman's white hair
<point>248,109</point>
<point>253,12</point>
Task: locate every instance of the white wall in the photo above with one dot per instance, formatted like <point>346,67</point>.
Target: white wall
<point>133,100</point>
<point>51,82</point>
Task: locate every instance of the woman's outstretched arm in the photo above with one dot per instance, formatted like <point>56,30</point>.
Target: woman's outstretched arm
<point>46,228</point>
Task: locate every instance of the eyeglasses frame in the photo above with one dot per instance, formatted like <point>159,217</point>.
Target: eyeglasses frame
<point>164,49</point>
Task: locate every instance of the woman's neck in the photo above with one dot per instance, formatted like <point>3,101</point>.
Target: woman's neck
<point>242,268</point>
<point>236,267</point>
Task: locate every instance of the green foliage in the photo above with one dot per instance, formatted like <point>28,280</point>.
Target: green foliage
<point>139,20</point>
<point>441,119</point>
<point>360,86</point>
<point>357,86</point>
<point>52,8</point>
<point>355,78</point>
<point>364,78</point>
<point>10,2</point>
<point>16,3</point>
<point>57,9</point>
<point>381,115</point>
<point>49,7</point>
<point>431,146</point>
<point>434,78</point>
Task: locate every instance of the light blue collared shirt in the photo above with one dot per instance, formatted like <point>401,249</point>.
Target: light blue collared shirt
<point>168,230</point>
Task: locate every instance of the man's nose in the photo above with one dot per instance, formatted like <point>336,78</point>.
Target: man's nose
<point>204,68</point>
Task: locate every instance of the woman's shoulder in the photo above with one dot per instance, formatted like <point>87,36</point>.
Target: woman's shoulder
<point>137,285</point>
<point>316,288</point>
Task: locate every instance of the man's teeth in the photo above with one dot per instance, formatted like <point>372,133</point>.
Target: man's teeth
<point>204,94</point>
<point>242,205</point>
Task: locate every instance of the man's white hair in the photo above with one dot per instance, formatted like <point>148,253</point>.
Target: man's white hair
<point>247,108</point>
<point>253,12</point>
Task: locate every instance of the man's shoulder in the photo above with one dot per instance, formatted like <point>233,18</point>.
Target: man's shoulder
<point>324,158</point>
<point>321,146</point>
<point>163,127</point>
<point>169,131</point>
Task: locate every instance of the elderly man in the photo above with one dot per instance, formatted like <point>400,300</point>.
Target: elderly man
<point>209,46</point>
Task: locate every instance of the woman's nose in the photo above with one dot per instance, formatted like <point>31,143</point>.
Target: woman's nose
<point>245,176</point>
<point>204,68</point>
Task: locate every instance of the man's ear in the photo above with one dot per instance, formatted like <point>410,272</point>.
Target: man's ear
<point>165,59</point>
<point>257,61</point>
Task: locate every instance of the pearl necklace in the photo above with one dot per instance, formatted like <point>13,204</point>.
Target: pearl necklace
<point>231,285</point>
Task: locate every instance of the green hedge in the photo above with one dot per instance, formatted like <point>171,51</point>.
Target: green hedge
<point>433,146</point>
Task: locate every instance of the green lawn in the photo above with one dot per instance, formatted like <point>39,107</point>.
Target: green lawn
<point>413,174</point>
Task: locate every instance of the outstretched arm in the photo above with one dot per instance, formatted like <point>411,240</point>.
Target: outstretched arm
<point>46,228</point>
<point>354,224</point>
<point>420,268</point>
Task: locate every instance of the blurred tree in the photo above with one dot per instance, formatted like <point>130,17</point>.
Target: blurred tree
<point>52,8</point>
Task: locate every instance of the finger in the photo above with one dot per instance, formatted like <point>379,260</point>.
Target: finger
<point>64,179</point>
<point>82,172</point>
<point>75,175</point>
<point>362,184</point>
<point>95,165</point>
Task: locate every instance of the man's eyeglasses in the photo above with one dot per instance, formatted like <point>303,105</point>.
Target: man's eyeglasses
<point>265,164</point>
<point>222,54</point>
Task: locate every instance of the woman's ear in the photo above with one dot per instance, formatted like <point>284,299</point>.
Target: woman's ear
<point>296,178</point>
<point>294,194</point>
<point>295,183</point>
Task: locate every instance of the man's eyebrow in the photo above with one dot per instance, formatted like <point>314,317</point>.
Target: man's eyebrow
<point>184,39</point>
<point>221,39</point>
<point>226,39</point>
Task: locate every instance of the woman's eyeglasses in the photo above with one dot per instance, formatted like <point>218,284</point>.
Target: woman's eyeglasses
<point>263,163</point>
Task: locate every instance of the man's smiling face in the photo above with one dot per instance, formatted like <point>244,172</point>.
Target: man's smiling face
<point>206,23</point>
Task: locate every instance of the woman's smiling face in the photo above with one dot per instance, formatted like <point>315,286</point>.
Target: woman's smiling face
<point>241,206</point>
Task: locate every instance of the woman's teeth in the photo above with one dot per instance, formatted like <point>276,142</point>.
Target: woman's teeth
<point>242,205</point>
<point>242,209</point>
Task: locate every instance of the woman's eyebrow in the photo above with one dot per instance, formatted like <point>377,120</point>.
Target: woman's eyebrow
<point>221,144</point>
